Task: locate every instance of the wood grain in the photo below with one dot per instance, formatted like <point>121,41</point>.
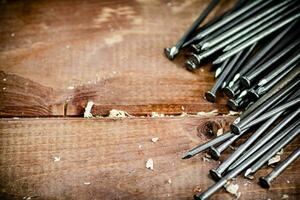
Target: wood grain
<point>57,55</point>
<point>105,159</point>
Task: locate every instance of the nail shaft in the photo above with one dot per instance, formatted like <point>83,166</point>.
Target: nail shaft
<point>173,51</point>
<point>265,182</point>
<point>266,138</point>
<point>208,144</point>
<point>272,151</point>
<point>257,38</point>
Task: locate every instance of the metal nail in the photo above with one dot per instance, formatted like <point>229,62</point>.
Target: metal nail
<point>206,145</point>
<point>271,102</point>
<point>173,51</point>
<point>242,148</point>
<point>271,112</point>
<point>257,38</point>
<point>249,24</point>
<point>285,82</point>
<point>248,78</point>
<point>272,150</point>
<point>266,138</point>
<point>265,181</point>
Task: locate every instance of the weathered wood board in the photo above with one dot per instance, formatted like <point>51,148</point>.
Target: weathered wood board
<point>105,159</point>
<point>57,55</point>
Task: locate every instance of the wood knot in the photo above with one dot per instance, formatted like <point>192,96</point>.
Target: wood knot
<point>208,129</point>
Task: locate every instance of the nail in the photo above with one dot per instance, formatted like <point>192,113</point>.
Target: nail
<point>265,181</point>
<point>285,82</point>
<point>290,63</point>
<point>208,144</point>
<point>216,174</point>
<point>249,77</point>
<point>243,56</point>
<point>272,150</point>
<point>242,148</point>
<point>272,101</point>
<point>215,152</point>
<point>173,51</point>
<point>257,38</point>
<point>244,12</point>
<point>249,24</point>
<point>271,112</point>
<point>229,176</point>
<point>227,67</point>
<point>266,138</point>
<point>255,94</point>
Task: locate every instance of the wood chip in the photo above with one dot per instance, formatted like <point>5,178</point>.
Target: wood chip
<point>273,160</point>
<point>285,196</point>
<point>88,109</point>
<point>220,131</point>
<point>233,188</point>
<point>56,158</point>
<point>155,114</point>
<point>233,113</point>
<point>211,113</point>
<point>149,164</point>
<point>118,114</point>
<point>155,139</point>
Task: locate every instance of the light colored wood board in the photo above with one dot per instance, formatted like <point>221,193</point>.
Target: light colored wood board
<point>107,154</point>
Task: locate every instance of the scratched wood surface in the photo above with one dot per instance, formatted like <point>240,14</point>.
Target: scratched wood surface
<point>105,159</point>
<point>57,55</point>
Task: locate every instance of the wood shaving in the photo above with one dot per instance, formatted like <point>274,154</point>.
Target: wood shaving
<point>88,109</point>
<point>140,146</point>
<point>211,113</point>
<point>233,113</point>
<point>118,114</point>
<point>155,114</point>
<point>155,139</point>
<point>197,189</point>
<point>4,79</point>
<point>280,152</point>
<point>71,88</point>
<point>56,158</point>
<point>285,196</point>
<point>183,114</point>
<point>220,131</point>
<point>251,177</point>
<point>182,107</point>
<point>169,181</point>
<point>232,188</point>
<point>87,183</point>
<point>287,181</point>
<point>205,159</point>
<point>273,160</point>
<point>149,164</point>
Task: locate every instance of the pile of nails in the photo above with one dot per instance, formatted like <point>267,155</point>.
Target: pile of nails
<point>255,49</point>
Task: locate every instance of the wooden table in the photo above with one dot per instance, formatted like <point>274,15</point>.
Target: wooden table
<point>55,56</point>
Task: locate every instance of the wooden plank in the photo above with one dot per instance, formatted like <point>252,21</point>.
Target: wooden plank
<point>57,55</point>
<point>105,159</point>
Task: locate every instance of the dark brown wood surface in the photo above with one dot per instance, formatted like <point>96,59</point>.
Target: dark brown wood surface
<point>105,159</point>
<point>57,55</point>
